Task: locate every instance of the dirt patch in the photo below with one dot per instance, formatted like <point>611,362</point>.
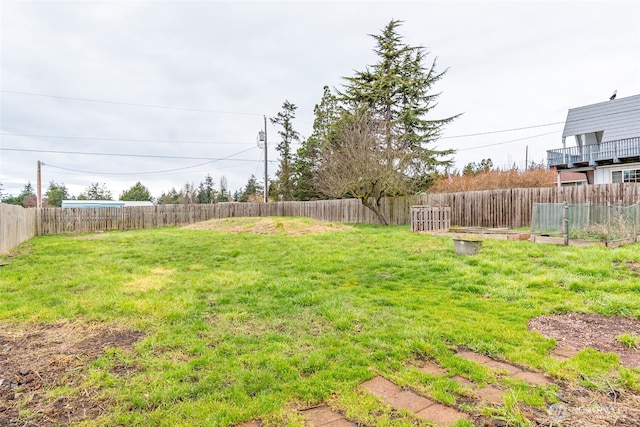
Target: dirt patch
<point>272,225</point>
<point>37,358</point>
<point>580,330</point>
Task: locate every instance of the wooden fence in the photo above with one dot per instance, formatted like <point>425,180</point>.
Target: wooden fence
<point>72,220</point>
<point>510,208</point>
<point>17,225</point>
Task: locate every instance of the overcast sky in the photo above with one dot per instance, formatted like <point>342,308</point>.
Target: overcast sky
<point>193,79</point>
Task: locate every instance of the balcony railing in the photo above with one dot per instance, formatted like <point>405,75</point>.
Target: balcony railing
<point>591,155</point>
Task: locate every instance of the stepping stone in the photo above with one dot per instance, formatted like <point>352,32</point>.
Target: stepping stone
<point>249,424</point>
<point>424,408</point>
<point>441,415</point>
<point>339,423</point>
<point>325,417</point>
<point>381,387</point>
<point>563,353</point>
<point>475,357</point>
<point>463,381</point>
<point>491,394</point>
<point>409,401</point>
<point>533,378</point>
<point>511,370</point>
<point>432,369</point>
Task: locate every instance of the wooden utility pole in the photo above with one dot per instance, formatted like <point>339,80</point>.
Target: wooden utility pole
<point>266,169</point>
<point>39,185</point>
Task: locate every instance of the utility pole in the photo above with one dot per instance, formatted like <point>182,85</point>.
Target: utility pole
<point>39,185</point>
<point>266,168</point>
<point>262,137</point>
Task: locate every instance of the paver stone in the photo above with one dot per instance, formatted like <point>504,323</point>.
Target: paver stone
<point>432,369</point>
<point>321,416</point>
<point>464,381</point>
<point>474,357</point>
<point>511,370</point>
<point>564,352</point>
<point>491,394</point>
<point>441,415</point>
<point>381,387</point>
<point>409,401</point>
<point>533,378</point>
<point>342,422</point>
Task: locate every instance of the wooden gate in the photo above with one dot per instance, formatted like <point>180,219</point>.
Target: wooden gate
<point>428,218</point>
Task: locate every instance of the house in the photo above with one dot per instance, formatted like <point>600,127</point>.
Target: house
<point>102,204</point>
<point>571,179</point>
<point>607,142</point>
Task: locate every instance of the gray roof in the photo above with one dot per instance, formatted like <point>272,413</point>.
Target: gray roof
<point>619,119</point>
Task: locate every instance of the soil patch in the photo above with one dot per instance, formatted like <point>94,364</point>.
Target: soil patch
<point>271,225</point>
<point>580,330</point>
<point>37,358</point>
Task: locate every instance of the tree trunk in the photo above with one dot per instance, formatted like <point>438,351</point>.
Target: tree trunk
<point>375,207</point>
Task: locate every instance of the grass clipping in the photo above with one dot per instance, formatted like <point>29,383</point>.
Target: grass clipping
<point>270,225</point>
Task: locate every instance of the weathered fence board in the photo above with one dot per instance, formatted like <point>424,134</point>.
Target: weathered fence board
<point>17,225</point>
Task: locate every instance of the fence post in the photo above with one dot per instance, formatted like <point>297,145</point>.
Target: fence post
<point>565,222</point>
<point>608,221</point>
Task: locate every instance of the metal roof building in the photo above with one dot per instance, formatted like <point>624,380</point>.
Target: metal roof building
<point>102,203</point>
<point>607,148</point>
<point>605,121</point>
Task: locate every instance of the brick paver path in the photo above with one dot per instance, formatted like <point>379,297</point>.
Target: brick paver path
<point>424,408</point>
<point>533,378</point>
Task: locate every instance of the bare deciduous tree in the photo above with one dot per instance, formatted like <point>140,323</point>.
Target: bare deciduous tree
<point>362,164</point>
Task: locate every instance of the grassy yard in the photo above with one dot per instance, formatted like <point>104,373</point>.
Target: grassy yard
<point>242,326</point>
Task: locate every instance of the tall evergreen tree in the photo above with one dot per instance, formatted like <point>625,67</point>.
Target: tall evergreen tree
<point>95,191</point>
<point>398,92</point>
<point>55,194</point>
<point>172,197</point>
<point>137,192</point>
<point>309,154</point>
<point>224,195</point>
<point>206,191</point>
<point>26,198</point>
<point>384,114</point>
<point>250,192</point>
<point>288,136</point>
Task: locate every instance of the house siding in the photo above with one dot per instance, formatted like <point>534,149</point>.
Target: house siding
<point>603,173</point>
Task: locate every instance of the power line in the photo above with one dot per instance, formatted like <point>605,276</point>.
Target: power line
<point>129,155</point>
<point>168,172</point>
<point>537,126</point>
<point>501,131</point>
<point>504,142</point>
<point>259,162</point>
<point>123,139</point>
<point>131,104</point>
<point>128,173</point>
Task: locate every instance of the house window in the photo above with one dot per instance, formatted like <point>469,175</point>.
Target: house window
<point>629,175</point>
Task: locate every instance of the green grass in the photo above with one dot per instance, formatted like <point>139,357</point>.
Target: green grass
<point>631,341</point>
<point>246,326</point>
